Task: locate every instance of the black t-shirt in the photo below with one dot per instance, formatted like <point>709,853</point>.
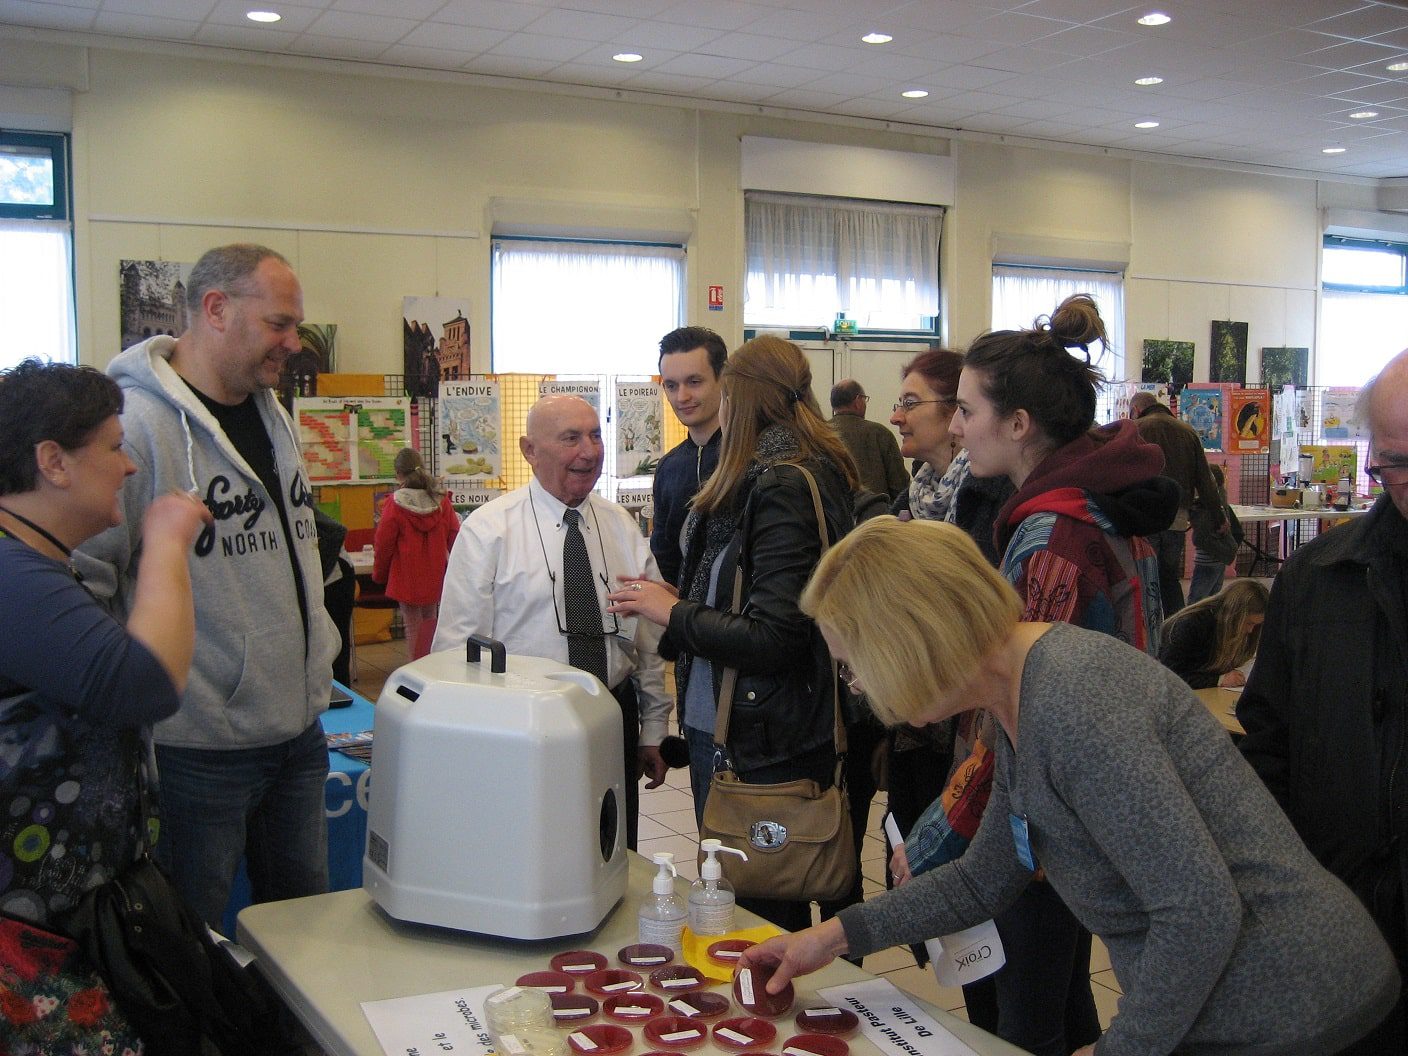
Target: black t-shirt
<point>245,429</point>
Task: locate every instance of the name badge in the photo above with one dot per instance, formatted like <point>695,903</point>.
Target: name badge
<point>1022,841</point>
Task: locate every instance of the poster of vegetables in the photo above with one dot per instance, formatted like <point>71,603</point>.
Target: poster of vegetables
<point>1249,416</point>
<point>639,431</point>
<point>589,390</point>
<point>469,432</point>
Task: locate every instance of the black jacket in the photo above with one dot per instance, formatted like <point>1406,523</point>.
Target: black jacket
<point>1325,706</point>
<point>678,478</point>
<point>1188,646</point>
<point>783,702</point>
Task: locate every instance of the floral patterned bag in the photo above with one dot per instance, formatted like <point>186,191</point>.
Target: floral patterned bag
<point>52,1003</point>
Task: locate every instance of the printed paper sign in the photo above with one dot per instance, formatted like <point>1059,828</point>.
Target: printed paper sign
<point>893,1021</point>
<point>352,439</point>
<point>471,444</point>
<point>1249,421</point>
<point>466,498</point>
<point>639,431</point>
<point>450,1021</point>
<point>589,390</point>
<point>1339,419</point>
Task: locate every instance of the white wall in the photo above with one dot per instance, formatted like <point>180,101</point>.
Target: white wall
<point>378,187</point>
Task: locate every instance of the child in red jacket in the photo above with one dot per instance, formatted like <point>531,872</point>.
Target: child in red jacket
<point>413,539</point>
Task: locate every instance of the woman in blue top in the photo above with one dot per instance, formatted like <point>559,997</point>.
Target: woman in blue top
<point>77,689</point>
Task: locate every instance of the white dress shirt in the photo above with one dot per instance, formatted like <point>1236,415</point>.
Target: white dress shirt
<point>505,578</point>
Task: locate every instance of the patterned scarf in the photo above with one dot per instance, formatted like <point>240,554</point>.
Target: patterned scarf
<point>931,496</point>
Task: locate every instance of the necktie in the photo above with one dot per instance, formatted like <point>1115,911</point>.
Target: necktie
<point>579,596</point>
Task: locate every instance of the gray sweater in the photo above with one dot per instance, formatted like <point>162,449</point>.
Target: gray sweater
<point>1226,936</point>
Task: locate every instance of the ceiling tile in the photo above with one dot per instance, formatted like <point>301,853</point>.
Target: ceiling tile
<point>941,47</point>
<point>1337,82</point>
<point>665,81</point>
<point>716,14</point>
<point>1190,24</point>
<point>338,47</point>
<point>749,46</point>
<point>468,39</point>
<point>895,67</point>
<point>535,46</point>
<point>821,57</point>
<point>713,67</point>
<point>1365,22</point>
<point>503,65</point>
<point>490,14</point>
<point>1287,13</point>
<point>941,16</point>
<point>965,77</point>
<point>878,109</point>
<point>805,26</point>
<point>144,26</point>
<point>296,18</point>
<point>417,9</point>
<point>774,75</point>
<point>629,8</point>
<point>654,59</point>
<point>1023,60</point>
<point>191,11</point>
<point>1013,27</point>
<point>584,25</point>
<point>1032,109</point>
<point>669,35</point>
<point>254,38</point>
<point>1081,10</point>
<point>423,58</point>
<point>605,75</point>
<point>1352,53</point>
<point>361,27</point>
<point>1398,38</point>
<point>803,99</point>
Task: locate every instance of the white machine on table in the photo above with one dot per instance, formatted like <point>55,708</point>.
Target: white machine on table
<point>497,805</point>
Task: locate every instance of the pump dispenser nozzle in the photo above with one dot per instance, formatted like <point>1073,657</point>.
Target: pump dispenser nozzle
<point>711,896</point>
<point>711,869</point>
<point>664,882</point>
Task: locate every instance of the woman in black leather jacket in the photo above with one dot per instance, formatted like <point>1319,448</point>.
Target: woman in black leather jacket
<point>755,514</point>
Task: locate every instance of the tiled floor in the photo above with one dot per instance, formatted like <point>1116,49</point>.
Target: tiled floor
<point>667,824</point>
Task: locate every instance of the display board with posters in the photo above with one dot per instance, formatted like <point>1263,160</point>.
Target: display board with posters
<point>352,440</point>
<point>469,430</point>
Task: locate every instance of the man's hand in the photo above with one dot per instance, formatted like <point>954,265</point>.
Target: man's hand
<point>652,765</point>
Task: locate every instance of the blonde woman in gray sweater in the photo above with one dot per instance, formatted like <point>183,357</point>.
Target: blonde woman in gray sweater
<point>1226,936</point>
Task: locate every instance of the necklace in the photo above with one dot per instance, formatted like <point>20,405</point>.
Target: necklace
<point>66,551</point>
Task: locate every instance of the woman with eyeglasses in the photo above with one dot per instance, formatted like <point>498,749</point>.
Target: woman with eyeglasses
<point>1071,543</point>
<point>1224,932</point>
<point>755,514</point>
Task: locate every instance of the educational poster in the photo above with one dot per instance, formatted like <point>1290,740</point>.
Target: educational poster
<point>1170,362</point>
<point>151,299</point>
<point>589,390</point>
<point>1329,462</point>
<point>470,442</point>
<point>1285,405</point>
<point>639,432</point>
<point>352,441</point>
<point>1338,415</point>
<point>1285,366</point>
<point>1201,407</point>
<point>435,342</point>
<point>1249,418</point>
<point>466,498</point>
<point>1227,357</point>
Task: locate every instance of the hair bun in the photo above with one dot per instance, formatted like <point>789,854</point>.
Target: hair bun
<point>1076,323</point>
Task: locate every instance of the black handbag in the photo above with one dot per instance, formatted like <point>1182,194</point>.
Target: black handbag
<point>183,993</point>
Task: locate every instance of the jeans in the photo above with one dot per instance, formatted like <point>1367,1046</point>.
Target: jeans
<point>702,754</point>
<point>265,804</point>
<point>1170,546</point>
<point>1044,1001</point>
<point>1207,580</point>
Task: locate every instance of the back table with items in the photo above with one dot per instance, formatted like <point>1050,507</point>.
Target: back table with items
<point>327,954</point>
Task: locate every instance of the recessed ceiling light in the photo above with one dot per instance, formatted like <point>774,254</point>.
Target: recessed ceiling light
<point>1149,80</point>
<point>1155,18</point>
<point>1397,67</point>
<point>626,56</point>
<point>1364,115</point>
<point>914,93</point>
<point>1146,124</point>
<point>263,16</point>
<point>877,38</point>
<point>1333,150</point>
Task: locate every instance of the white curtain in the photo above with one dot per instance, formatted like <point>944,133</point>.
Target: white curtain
<point>583,307</point>
<point>809,258</point>
<point>1020,295</point>
<point>36,292</point>
<point>1359,333</point>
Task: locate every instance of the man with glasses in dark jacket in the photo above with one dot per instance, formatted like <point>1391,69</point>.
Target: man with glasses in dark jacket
<point>1326,707</point>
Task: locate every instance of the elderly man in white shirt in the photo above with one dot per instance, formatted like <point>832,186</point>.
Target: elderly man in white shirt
<point>506,579</point>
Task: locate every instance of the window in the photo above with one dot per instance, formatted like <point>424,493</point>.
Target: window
<point>36,266</point>
<point>583,307</point>
<point>810,258</point>
<point>1021,294</point>
<point>1364,309</point>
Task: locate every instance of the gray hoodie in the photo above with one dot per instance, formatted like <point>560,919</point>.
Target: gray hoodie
<point>256,679</point>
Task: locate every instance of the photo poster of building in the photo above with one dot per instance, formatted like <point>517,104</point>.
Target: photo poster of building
<point>469,430</point>
<point>1227,358</point>
<point>1285,366</point>
<point>640,433</point>
<point>352,441</point>
<point>1339,415</point>
<point>317,355</point>
<point>151,299</point>
<point>1170,362</point>
<point>1249,420</point>
<point>435,342</point>
<point>1201,406</point>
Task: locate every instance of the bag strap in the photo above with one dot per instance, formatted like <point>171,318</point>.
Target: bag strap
<point>729,681</point>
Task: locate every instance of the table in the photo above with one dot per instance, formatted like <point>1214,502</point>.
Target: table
<point>1288,515</point>
<point>327,954</point>
<point>345,802</point>
<point>361,562</point>
<point>1223,705</point>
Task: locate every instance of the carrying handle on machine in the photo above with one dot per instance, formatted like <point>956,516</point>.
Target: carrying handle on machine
<point>498,656</point>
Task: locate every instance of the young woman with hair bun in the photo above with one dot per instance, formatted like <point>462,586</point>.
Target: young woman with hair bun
<point>1071,544</point>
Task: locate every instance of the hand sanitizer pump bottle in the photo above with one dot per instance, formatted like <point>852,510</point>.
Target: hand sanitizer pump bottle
<point>663,915</point>
<point>711,898</point>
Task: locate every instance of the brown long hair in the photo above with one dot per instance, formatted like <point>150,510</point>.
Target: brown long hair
<point>767,381</point>
<point>1233,604</point>
<point>411,466</point>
